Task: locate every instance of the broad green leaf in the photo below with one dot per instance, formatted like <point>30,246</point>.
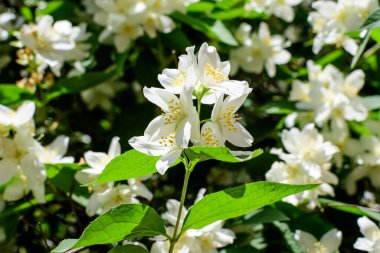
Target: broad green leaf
<point>128,249</point>
<point>121,222</point>
<point>65,245</point>
<point>131,164</point>
<point>221,154</point>
<point>359,128</point>
<point>223,33</point>
<point>78,83</point>
<point>58,9</point>
<point>360,49</point>
<point>373,21</point>
<point>372,102</point>
<point>62,175</point>
<point>237,201</point>
<point>226,4</point>
<point>12,94</point>
<point>228,14</point>
<point>200,7</point>
<point>349,208</point>
<point>27,13</point>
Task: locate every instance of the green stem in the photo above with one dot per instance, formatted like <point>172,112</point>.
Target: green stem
<point>199,107</point>
<point>189,168</point>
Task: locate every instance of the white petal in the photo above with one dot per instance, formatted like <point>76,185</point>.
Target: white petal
<point>240,138</point>
<point>332,240</point>
<point>367,227</point>
<point>142,144</point>
<point>114,149</point>
<point>305,240</point>
<point>15,191</point>
<point>8,169</point>
<point>168,159</point>
<point>25,113</point>
<point>183,133</point>
<point>159,97</point>
<point>96,160</point>
<point>60,145</point>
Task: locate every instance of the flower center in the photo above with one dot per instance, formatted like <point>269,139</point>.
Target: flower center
<point>168,141</point>
<point>230,118</point>
<point>180,79</point>
<point>215,73</point>
<point>174,112</point>
<point>318,248</point>
<point>209,137</point>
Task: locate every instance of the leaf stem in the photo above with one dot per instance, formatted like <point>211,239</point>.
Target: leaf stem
<point>189,168</point>
<point>199,107</point>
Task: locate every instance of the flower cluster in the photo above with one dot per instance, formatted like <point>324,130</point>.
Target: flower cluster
<point>206,239</point>
<point>307,162</point>
<point>258,50</point>
<point>371,240</point>
<point>22,157</point>
<point>279,8</point>
<point>107,195</point>
<point>332,21</point>
<point>205,78</point>
<point>329,242</point>
<point>124,22</point>
<point>52,43</point>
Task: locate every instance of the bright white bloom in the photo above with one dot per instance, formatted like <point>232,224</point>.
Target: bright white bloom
<point>332,20</point>
<point>224,124</point>
<point>207,239</point>
<point>329,242</point>
<point>54,153</point>
<point>213,75</point>
<point>174,79</point>
<point>106,195</point>
<point>101,95</point>
<point>54,43</point>
<point>165,147</point>
<point>179,116</point>
<point>279,8</point>
<point>331,95</point>
<point>307,162</point>
<point>22,117</point>
<point>371,240</point>
<point>21,167</point>
<point>258,50</point>
<point>307,148</point>
<point>125,21</point>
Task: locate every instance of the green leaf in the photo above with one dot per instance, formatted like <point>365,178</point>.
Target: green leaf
<point>237,201</point>
<point>360,49</point>
<point>59,10</point>
<point>128,249</point>
<point>373,21</point>
<point>221,154</point>
<point>223,33</point>
<point>228,14</point>
<point>121,222</point>
<point>265,215</point>
<point>349,208</point>
<point>12,94</point>
<point>78,83</point>
<point>200,7</point>
<point>131,164</point>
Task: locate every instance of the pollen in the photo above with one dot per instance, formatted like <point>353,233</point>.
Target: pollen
<point>179,81</point>
<point>215,73</point>
<point>230,118</point>
<point>167,141</point>
<point>209,137</point>
<point>318,248</point>
<point>174,113</point>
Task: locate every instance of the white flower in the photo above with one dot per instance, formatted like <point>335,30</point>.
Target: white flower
<point>20,164</point>
<point>331,95</point>
<point>333,20</point>
<point>371,240</point>
<point>206,239</point>
<point>124,23</point>
<point>20,118</point>
<point>307,148</point>
<point>5,26</point>
<point>174,79</point>
<point>224,124</point>
<point>259,50</point>
<point>54,153</point>
<point>54,43</point>
<point>165,147</point>
<point>179,116</point>
<point>280,8</point>
<point>329,242</point>
<point>97,162</point>
<point>107,195</point>
<point>213,75</point>
<point>101,95</point>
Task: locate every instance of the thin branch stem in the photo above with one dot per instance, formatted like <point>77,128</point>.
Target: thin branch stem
<point>189,168</point>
